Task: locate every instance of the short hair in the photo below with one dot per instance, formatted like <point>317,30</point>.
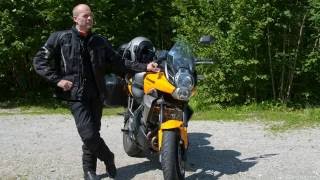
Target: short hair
<point>75,9</point>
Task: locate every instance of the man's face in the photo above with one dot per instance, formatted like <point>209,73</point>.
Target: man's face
<point>84,19</point>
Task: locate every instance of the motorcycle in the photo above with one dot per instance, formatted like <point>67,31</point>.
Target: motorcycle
<point>157,110</point>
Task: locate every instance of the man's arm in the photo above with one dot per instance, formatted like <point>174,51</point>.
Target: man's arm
<point>117,65</point>
<point>135,66</point>
<point>141,67</point>
<point>42,62</point>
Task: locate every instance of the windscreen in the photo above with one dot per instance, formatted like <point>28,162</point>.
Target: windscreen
<point>179,57</point>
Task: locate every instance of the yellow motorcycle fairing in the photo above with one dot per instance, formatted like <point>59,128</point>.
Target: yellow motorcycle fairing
<point>170,125</point>
<point>157,81</point>
<point>130,87</point>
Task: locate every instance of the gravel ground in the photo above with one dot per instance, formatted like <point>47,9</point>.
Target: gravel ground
<point>48,147</point>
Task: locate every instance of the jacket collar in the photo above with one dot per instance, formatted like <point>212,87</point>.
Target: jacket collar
<point>79,35</point>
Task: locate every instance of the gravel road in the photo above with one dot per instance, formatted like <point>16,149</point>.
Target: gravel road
<point>48,147</point>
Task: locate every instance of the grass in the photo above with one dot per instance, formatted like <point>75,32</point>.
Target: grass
<point>276,117</point>
<point>51,106</point>
<point>37,110</point>
<point>284,120</point>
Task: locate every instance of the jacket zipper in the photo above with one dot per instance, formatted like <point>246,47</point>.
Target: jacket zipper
<point>64,61</point>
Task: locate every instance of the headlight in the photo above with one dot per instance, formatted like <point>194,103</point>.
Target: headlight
<point>182,94</point>
<point>184,80</point>
<point>184,83</point>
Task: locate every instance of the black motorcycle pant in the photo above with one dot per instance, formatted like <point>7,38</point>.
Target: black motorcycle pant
<point>87,115</point>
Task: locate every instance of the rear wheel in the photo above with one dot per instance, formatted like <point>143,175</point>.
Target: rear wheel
<point>172,163</point>
<point>130,146</point>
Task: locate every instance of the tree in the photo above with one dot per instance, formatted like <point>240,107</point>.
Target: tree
<point>26,26</point>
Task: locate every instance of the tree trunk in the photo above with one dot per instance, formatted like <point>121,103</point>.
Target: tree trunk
<point>270,65</point>
<point>291,76</point>
<point>255,72</point>
<point>282,91</point>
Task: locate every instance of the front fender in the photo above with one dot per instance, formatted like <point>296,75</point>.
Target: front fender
<point>172,125</point>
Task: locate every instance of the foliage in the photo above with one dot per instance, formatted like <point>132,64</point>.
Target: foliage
<point>26,26</point>
<point>265,50</point>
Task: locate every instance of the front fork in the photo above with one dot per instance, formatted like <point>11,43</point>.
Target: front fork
<point>172,125</point>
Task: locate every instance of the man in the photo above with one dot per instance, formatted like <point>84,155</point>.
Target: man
<point>75,61</point>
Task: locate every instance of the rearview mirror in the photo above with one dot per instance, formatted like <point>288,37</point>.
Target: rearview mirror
<point>161,55</point>
<point>207,40</point>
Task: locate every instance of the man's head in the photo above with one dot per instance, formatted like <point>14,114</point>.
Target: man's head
<point>83,17</point>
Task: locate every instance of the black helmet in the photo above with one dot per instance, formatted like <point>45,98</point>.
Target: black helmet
<point>141,49</point>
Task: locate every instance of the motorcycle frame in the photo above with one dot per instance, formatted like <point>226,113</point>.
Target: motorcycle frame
<point>158,81</point>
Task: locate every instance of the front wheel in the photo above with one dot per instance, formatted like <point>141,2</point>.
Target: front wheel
<point>172,163</point>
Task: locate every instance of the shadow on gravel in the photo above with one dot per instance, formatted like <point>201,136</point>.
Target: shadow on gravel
<point>130,171</point>
<point>203,161</point>
<point>208,163</point>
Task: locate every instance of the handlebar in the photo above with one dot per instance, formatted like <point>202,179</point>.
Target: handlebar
<point>203,61</point>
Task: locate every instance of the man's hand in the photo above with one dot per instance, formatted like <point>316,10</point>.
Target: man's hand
<point>65,84</point>
<point>153,67</point>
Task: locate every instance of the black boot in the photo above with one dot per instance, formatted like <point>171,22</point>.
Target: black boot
<point>111,167</point>
<point>89,160</point>
<point>90,175</point>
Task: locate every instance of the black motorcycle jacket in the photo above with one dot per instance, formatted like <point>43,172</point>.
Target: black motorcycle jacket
<point>61,58</point>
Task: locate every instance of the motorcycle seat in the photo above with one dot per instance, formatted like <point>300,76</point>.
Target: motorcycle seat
<point>137,86</point>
